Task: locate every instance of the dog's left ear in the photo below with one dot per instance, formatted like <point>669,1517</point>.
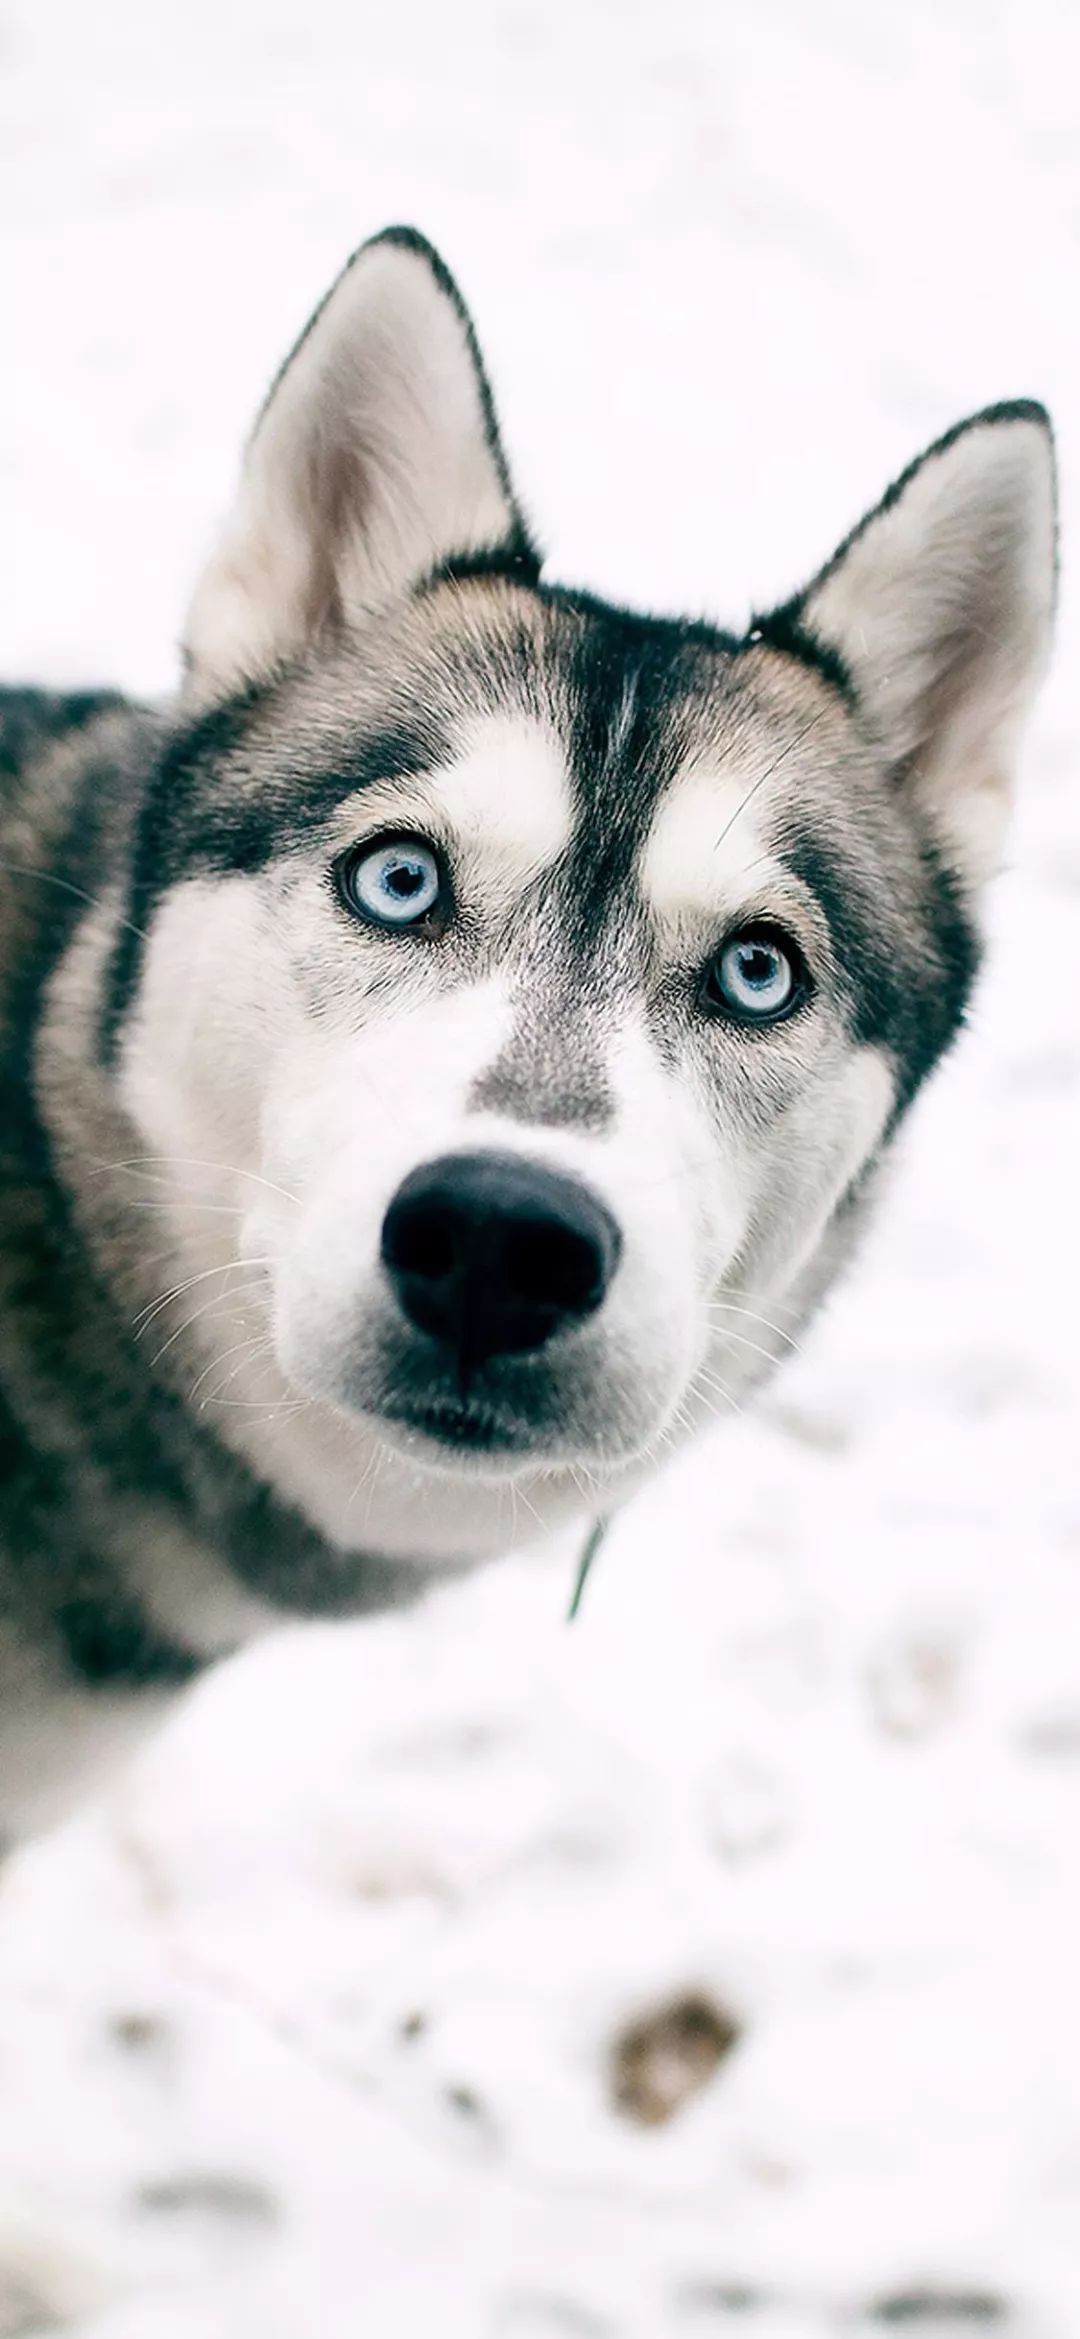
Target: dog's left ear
<point>940,606</point>
<point>375,459</point>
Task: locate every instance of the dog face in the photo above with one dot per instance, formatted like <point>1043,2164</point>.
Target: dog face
<point>530,988</point>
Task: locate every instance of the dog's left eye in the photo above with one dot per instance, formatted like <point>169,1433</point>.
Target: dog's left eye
<point>759,976</point>
<point>397,881</point>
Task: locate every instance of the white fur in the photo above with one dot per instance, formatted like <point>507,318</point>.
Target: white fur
<point>506,798</point>
<point>707,864</point>
<point>704,851</point>
<point>336,1119</point>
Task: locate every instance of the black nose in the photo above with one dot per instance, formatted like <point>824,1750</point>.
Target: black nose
<point>492,1255</point>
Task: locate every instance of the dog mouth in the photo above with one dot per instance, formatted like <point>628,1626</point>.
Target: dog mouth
<point>460,1425</point>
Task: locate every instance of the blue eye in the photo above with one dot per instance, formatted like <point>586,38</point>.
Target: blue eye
<point>759,976</point>
<point>395,882</point>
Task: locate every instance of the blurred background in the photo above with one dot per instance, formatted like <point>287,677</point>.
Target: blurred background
<point>705,1969</point>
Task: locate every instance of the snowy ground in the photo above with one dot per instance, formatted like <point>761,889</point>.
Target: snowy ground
<point>313,2032</point>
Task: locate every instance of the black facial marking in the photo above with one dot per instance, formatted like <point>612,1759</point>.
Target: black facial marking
<point>194,823</point>
<point>632,689</point>
<point>628,684</point>
<point>909,969</point>
<point>631,684</point>
<point>195,818</point>
<point>108,1641</point>
<point>519,563</point>
<point>782,629</point>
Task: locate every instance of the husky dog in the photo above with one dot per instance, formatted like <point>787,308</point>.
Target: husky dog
<point>463,1034</point>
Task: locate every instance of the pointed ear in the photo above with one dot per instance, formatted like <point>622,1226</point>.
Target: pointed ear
<point>939,607</point>
<point>376,458</point>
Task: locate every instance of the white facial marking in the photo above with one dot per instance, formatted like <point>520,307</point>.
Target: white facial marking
<point>508,795</point>
<point>502,810</point>
<point>706,848</point>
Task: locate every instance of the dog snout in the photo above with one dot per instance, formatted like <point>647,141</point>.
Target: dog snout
<point>492,1255</point>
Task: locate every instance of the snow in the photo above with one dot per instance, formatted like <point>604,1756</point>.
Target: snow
<point>309,2031</point>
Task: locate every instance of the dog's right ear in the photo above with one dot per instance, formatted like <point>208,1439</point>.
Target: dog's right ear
<point>376,459</point>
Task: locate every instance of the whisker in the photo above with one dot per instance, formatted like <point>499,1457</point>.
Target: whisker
<point>217,1300</point>
<point>181,1201</point>
<point>740,1340</point>
<point>284,1410</point>
<point>790,1307</point>
<point>712,1412</point>
<point>264,1353</point>
<point>226,1169</point>
<point>767,774</point>
<point>253,1340</point>
<point>363,1479</point>
<point>730,1307</point>
<point>47,877</point>
<point>705,1380</point>
<point>530,1507</point>
<point>373,1480</point>
<point>153,1307</point>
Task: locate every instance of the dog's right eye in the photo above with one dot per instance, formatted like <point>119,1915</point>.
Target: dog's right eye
<point>396,882</point>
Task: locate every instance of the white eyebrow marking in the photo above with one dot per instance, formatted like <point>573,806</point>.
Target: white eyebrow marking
<point>505,800</point>
<point>704,850</point>
<point>508,791</point>
<point>770,768</point>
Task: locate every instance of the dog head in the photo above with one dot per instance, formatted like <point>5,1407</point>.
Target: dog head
<point>539,984</point>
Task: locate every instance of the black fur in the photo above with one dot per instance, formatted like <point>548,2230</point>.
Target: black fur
<point>783,630</point>
<point>909,1000</point>
<point>109,1642</point>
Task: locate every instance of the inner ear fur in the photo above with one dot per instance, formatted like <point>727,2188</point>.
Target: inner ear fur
<point>376,459</point>
<point>938,610</point>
